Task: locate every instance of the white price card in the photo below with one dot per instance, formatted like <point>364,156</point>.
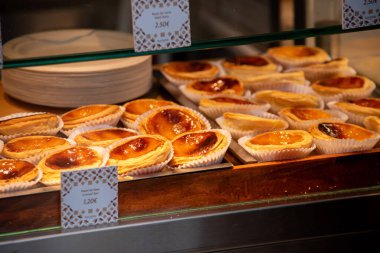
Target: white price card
<point>89,197</point>
<point>160,24</point>
<point>360,13</point>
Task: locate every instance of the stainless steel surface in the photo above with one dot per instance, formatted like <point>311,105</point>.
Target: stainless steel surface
<point>334,225</point>
<point>235,148</point>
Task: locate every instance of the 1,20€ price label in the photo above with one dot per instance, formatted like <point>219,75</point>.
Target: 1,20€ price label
<point>360,13</point>
<point>160,24</point>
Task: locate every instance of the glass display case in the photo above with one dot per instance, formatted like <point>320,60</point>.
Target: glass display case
<point>325,202</point>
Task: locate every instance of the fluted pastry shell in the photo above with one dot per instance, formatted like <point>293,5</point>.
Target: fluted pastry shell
<point>136,107</point>
<point>295,56</point>
<point>183,72</point>
<point>170,121</point>
<point>34,148</point>
<point>344,88</point>
<point>248,66</point>
<point>326,70</point>
<point>1,145</point>
<point>357,110</point>
<point>141,154</point>
<point>70,159</point>
<point>281,99</point>
<point>101,136</point>
<point>334,137</point>
<point>91,115</point>
<point>225,85</point>
<point>25,124</point>
<point>240,125</point>
<point>271,81</point>
<point>214,107</point>
<point>278,145</point>
<point>372,123</point>
<point>17,175</point>
<point>303,118</point>
<point>200,148</point>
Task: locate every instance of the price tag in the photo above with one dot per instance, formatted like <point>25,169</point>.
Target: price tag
<point>89,197</point>
<point>360,13</point>
<point>160,24</point>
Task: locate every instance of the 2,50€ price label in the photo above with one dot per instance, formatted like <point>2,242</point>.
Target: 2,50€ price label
<point>360,13</point>
<point>160,24</point>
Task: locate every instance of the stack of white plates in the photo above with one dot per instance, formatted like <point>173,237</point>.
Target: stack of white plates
<point>76,84</point>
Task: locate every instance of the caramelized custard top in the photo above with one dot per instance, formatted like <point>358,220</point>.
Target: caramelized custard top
<point>351,82</point>
<point>276,138</point>
<point>217,85</point>
<point>192,66</point>
<point>72,158</point>
<point>194,144</point>
<point>171,122</point>
<point>135,148</point>
<point>83,112</point>
<point>368,102</point>
<point>231,100</point>
<point>344,131</point>
<point>26,118</point>
<point>33,143</point>
<point>139,107</point>
<point>296,51</point>
<point>107,134</point>
<point>249,60</point>
<point>309,114</point>
<point>14,168</point>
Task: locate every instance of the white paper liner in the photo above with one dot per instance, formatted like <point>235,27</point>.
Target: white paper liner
<point>18,186</point>
<point>335,146</point>
<point>196,97</point>
<point>149,169</point>
<point>52,131</point>
<point>100,150</point>
<point>316,74</point>
<point>276,108</point>
<point>284,86</point>
<point>85,129</point>
<point>275,155</point>
<point>143,116</point>
<point>306,124</point>
<point>110,120</point>
<point>353,118</point>
<point>128,124</point>
<point>349,95</point>
<point>210,159</point>
<point>236,133</point>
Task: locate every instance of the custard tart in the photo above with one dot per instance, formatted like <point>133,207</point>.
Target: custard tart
<point>135,108</point>
<point>295,56</point>
<point>170,121</point>
<point>91,115</point>
<point>350,87</point>
<point>181,72</point>
<point>140,154</point>
<point>17,175</point>
<point>372,123</point>
<point>326,70</point>
<point>226,85</point>
<point>101,136</point>
<point>215,106</point>
<point>278,145</point>
<point>303,118</point>
<point>74,158</point>
<point>335,137</point>
<point>200,148</point>
<point>358,109</point>
<point>239,124</point>
<point>275,80</point>
<point>33,148</point>
<point>281,99</point>
<point>23,124</point>
<point>248,66</point>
